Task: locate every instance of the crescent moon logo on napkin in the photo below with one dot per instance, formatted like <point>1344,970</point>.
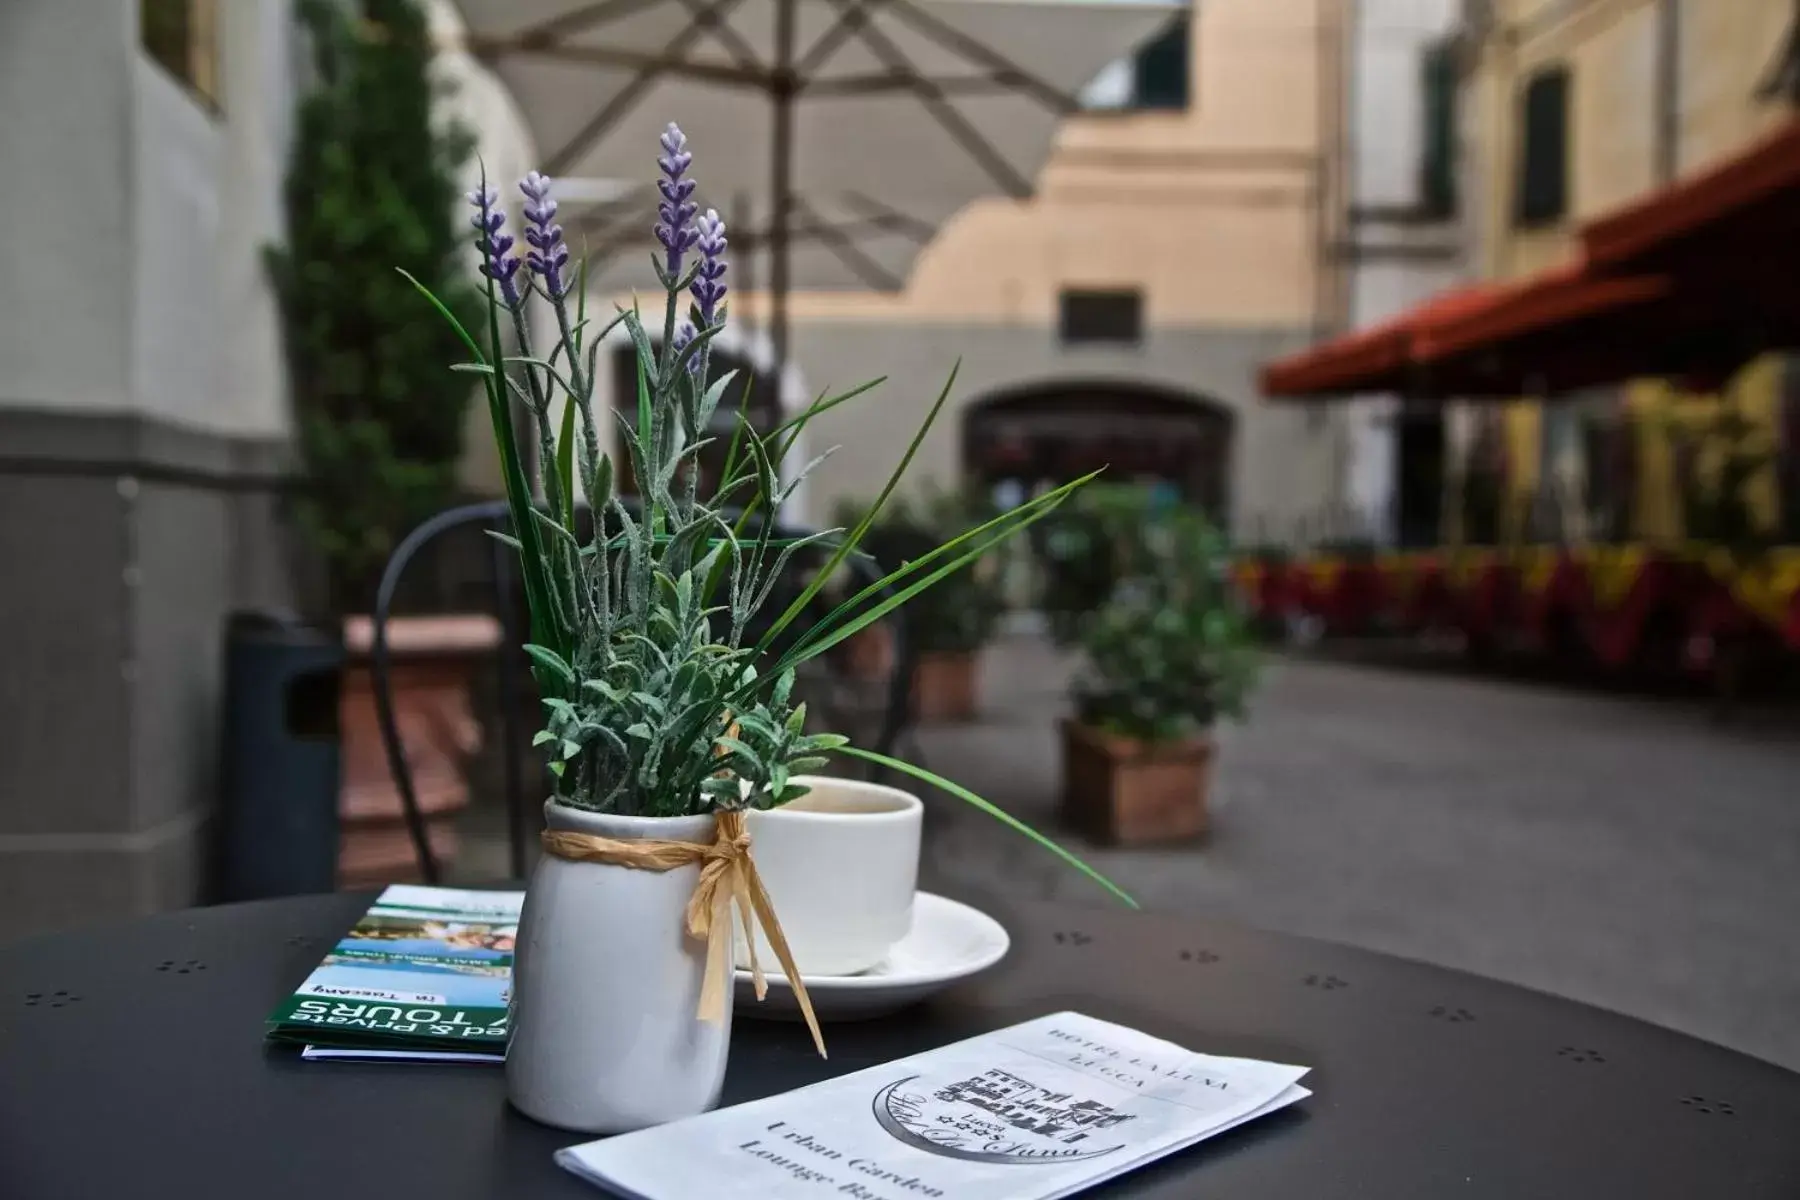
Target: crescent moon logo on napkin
<point>994,1117</point>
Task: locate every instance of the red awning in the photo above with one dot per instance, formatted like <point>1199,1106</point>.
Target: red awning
<point>1691,281</point>
<point>1377,359</point>
<point>1370,360</point>
<point>1746,210</point>
<point>1559,331</point>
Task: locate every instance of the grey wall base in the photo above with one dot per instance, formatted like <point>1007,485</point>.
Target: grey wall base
<point>123,544</point>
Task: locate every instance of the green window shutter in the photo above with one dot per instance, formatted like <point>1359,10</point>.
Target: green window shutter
<point>166,30</point>
<point>1543,176</point>
<point>1437,166</point>
<point>1162,69</point>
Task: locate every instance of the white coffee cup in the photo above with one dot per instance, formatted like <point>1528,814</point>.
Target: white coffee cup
<point>841,865</point>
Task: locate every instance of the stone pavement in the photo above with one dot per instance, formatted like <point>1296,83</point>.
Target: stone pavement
<point>1622,851</point>
<point>1625,852</point>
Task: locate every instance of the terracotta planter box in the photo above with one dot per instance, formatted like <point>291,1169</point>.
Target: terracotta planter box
<point>432,660</point>
<point>870,654</point>
<point>943,687</point>
<point>1126,792</point>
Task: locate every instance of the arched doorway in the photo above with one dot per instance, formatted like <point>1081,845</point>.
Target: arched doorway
<point>1047,434</point>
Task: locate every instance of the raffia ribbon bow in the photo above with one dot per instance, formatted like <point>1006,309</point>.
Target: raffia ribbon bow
<point>727,875</point>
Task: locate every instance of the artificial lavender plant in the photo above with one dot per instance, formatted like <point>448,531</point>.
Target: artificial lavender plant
<point>660,699</point>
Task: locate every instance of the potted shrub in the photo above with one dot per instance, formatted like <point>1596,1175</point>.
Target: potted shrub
<point>1085,549</point>
<point>1164,657</point>
<point>667,689</point>
<point>380,437</point>
<point>949,624</point>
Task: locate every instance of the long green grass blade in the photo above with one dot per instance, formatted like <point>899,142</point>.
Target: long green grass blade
<point>862,527</point>
<point>1026,513</point>
<point>795,424</point>
<point>999,814</point>
<point>544,630</point>
<point>731,451</point>
<point>468,339</point>
<point>812,646</point>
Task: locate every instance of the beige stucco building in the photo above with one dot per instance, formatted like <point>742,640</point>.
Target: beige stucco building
<point>1202,234</point>
<point>1655,91</point>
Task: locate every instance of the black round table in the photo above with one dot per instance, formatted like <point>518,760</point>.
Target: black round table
<point>132,1064</point>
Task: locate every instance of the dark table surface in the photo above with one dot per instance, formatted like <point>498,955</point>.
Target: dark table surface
<point>132,1064</point>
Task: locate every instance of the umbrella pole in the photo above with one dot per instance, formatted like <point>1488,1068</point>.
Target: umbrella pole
<point>741,216</point>
<point>781,183</point>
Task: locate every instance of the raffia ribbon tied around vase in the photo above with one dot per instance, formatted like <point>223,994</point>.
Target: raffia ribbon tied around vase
<point>727,875</point>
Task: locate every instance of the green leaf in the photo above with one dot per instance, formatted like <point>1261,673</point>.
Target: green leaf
<point>565,461</point>
<point>543,735</point>
<point>603,479</point>
<point>550,523</point>
<point>551,662</point>
<point>992,810</point>
<point>645,358</point>
<point>732,745</point>
<point>505,539</point>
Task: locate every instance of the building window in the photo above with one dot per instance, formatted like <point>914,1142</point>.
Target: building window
<point>1102,317</point>
<point>182,36</point>
<point>1154,78</point>
<point>1437,166</point>
<point>1782,79</point>
<point>1543,176</point>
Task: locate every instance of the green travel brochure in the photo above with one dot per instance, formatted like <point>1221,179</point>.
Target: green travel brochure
<point>426,973</point>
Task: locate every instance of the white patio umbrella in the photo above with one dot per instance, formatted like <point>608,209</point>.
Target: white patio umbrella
<point>840,134</point>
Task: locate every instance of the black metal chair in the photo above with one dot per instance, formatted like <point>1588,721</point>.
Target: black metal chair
<point>508,609</point>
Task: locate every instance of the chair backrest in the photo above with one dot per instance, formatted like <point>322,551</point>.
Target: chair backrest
<point>508,609</point>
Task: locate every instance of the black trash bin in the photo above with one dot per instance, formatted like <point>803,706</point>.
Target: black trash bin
<point>279,824</point>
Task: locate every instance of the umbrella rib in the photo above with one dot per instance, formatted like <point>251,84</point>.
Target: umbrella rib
<point>632,92</point>
<point>736,45</point>
<point>1004,68</point>
<point>850,18</point>
<point>605,56</point>
<point>842,248</point>
<point>944,113</point>
<point>889,81</point>
<point>579,20</point>
<point>888,217</point>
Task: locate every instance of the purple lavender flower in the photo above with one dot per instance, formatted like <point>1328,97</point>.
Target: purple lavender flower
<point>676,209</point>
<point>684,335</point>
<point>548,256</point>
<point>497,261</point>
<point>709,283</point>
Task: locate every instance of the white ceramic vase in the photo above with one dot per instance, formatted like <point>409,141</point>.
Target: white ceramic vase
<point>604,1035</point>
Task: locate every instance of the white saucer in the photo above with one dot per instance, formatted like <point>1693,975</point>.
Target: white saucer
<point>947,942</point>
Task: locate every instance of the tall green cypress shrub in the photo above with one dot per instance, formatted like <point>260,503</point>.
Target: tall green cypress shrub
<point>371,186</point>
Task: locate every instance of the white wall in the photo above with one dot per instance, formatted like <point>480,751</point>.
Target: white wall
<point>260,60</point>
<point>131,277</point>
<point>206,192</point>
<point>65,218</point>
<point>176,148</point>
